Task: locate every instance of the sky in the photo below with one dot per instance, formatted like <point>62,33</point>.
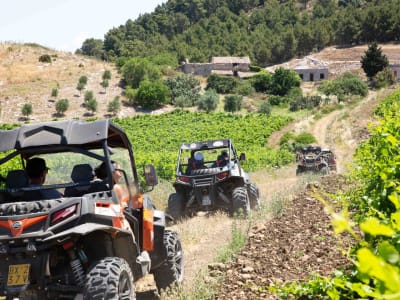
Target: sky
<point>64,24</point>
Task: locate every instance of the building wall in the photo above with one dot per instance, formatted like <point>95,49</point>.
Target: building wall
<point>312,74</point>
<point>197,69</point>
<point>396,71</point>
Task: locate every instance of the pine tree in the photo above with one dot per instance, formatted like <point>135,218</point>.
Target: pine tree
<point>373,60</point>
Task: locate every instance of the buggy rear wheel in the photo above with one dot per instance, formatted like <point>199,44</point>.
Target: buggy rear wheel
<point>240,201</point>
<point>176,206</point>
<point>109,278</point>
<point>171,271</point>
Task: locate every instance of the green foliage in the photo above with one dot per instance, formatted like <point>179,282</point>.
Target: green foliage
<point>262,82</point>
<point>184,85</point>
<point>104,84</point>
<point>106,75</point>
<point>130,93</point>
<point>265,108</point>
<point>91,105</point>
<point>346,85</point>
<point>92,47</point>
<point>114,106</point>
<point>208,101</point>
<point>384,78</point>
<point>45,58</point>
<point>283,80</point>
<point>83,79</point>
<point>88,96</point>
<point>292,142</point>
<point>221,84</point>
<point>233,103</point>
<point>54,92</point>
<point>157,138</point>
<point>373,60</point>
<point>80,87</point>
<point>151,95</point>
<point>27,110</point>
<point>308,102</point>
<point>245,88</point>
<point>238,241</point>
<point>136,70</point>
<point>62,106</point>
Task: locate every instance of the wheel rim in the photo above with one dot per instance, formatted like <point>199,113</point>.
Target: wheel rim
<point>124,286</point>
<point>178,261</point>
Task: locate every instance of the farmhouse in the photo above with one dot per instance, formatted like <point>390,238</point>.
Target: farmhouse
<point>225,65</point>
<point>310,69</point>
<point>396,70</point>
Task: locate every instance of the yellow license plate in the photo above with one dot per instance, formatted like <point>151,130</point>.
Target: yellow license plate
<point>18,274</point>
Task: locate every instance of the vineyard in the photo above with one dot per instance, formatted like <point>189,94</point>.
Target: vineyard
<point>156,139</point>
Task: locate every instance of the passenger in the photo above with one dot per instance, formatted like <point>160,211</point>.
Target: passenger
<point>120,191</point>
<point>37,170</point>
<point>196,162</point>
<point>222,159</point>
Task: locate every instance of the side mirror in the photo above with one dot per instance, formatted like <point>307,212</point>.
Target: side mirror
<point>242,157</point>
<point>151,175</point>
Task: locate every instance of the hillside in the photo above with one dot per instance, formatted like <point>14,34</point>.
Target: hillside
<point>26,80</point>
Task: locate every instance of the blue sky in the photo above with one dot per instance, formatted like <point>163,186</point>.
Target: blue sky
<point>65,24</point>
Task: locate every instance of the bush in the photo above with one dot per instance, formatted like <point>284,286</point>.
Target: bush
<point>384,78</point>
<point>208,101</point>
<point>262,82</point>
<point>62,106</point>
<point>88,96</point>
<point>221,84</point>
<point>265,108</point>
<point>54,92</point>
<point>151,95</point>
<point>45,58</point>
<point>91,105</point>
<point>245,88</point>
<point>26,110</point>
<point>233,103</point>
<point>186,86</point>
<point>114,106</point>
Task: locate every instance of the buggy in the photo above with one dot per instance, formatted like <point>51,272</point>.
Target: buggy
<point>209,177</point>
<point>315,159</point>
<point>85,244</point>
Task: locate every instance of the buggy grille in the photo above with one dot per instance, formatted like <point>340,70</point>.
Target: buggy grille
<point>204,181</point>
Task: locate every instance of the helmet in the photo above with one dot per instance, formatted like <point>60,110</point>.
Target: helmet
<point>198,156</point>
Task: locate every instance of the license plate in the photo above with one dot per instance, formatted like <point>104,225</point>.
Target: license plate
<point>18,274</point>
<point>206,200</point>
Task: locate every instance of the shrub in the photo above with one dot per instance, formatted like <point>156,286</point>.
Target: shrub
<point>114,106</point>
<point>184,85</point>
<point>233,103</point>
<point>45,58</point>
<point>62,106</point>
<point>265,108</point>
<point>221,84</point>
<point>384,78</point>
<point>26,110</point>
<point>208,101</point>
<point>151,95</point>
<point>54,92</point>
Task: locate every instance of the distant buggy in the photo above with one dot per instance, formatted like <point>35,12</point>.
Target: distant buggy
<point>209,177</point>
<point>315,159</point>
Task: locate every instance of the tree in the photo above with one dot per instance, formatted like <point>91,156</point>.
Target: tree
<point>92,47</point>
<point>208,101</point>
<point>135,70</point>
<point>151,94</point>
<point>83,79</point>
<point>265,108</point>
<point>262,82</point>
<point>80,87</point>
<point>233,103</point>
<point>114,106</point>
<point>106,75</point>
<point>283,80</point>
<point>88,96</point>
<point>62,106</point>
<point>27,110</point>
<point>373,60</point>
<point>54,92</point>
<point>184,85</point>
<point>91,105</point>
<point>104,84</point>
